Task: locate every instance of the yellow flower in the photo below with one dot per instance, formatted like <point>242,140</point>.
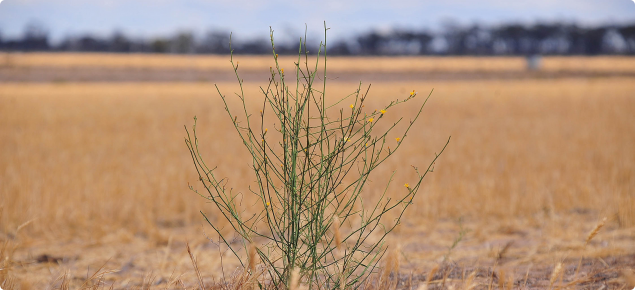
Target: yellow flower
<point>276,55</point>
<point>282,70</point>
<point>407,185</point>
<point>398,139</point>
<point>382,111</point>
<point>366,144</point>
<point>268,203</point>
<point>266,129</point>
<point>352,106</point>
<point>412,93</point>
<point>371,120</point>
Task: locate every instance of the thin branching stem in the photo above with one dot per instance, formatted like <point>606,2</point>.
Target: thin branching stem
<point>314,175</point>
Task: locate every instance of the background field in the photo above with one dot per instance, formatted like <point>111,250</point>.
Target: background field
<point>94,170</point>
<point>59,68</point>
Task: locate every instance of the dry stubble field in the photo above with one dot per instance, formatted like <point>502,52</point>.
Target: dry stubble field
<point>94,172</point>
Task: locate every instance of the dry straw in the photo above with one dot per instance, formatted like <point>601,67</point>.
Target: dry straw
<point>65,281</point>
<point>342,281</point>
<point>294,282</point>
<point>501,253</point>
<point>5,262</point>
<point>628,277</point>
<point>501,279</point>
<point>555,274</point>
<point>201,284</point>
<point>391,267</point>
<point>589,237</point>
<point>336,232</point>
<point>426,285</point>
<point>595,231</point>
<point>510,282</point>
<point>252,258</point>
<point>469,282</point>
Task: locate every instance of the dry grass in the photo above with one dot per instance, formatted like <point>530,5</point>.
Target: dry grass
<point>337,64</point>
<point>97,173</point>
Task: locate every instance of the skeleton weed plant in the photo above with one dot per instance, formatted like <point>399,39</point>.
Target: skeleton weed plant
<point>302,196</point>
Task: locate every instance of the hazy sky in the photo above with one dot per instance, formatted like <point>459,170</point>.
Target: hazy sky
<point>249,18</point>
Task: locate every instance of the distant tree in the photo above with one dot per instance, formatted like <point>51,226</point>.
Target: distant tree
<point>160,45</point>
<point>120,43</point>
<point>592,40</point>
<point>407,42</point>
<point>552,38</point>
<point>512,35</point>
<point>537,35</point>
<point>575,38</point>
<point>424,39</point>
<point>477,41</point>
<point>35,37</point>
<point>455,37</point>
<point>256,46</point>
<point>395,42</point>
<point>369,43</point>
<point>215,42</point>
<point>628,33</point>
<point>613,42</point>
<point>339,48</point>
<point>507,39</point>
<point>183,42</point>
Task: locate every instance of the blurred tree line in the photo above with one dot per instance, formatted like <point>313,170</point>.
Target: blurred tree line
<point>505,39</point>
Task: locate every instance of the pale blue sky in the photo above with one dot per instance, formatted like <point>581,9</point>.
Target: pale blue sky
<point>249,18</point>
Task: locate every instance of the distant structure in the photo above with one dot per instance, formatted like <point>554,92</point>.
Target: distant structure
<point>533,62</point>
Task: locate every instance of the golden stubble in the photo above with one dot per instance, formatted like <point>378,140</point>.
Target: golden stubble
<point>84,154</point>
<point>105,164</point>
<point>601,64</point>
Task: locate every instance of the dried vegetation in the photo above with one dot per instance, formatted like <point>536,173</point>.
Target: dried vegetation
<point>93,181</point>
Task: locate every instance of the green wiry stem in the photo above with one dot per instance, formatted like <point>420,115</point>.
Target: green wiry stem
<point>300,179</point>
